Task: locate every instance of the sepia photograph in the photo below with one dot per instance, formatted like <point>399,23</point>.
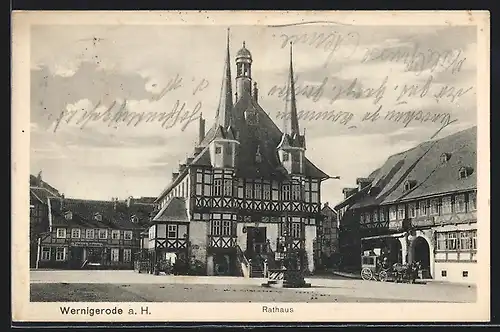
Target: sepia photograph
<point>285,164</point>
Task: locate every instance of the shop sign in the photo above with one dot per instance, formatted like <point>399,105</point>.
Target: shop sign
<point>87,244</point>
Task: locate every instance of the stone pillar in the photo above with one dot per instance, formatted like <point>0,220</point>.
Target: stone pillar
<point>310,235</point>
<point>210,265</point>
<point>404,249</point>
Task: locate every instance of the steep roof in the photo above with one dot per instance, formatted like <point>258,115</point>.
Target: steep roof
<point>265,137</point>
<point>41,194</point>
<point>423,166</point>
<point>174,210</point>
<point>115,214</point>
<point>328,210</point>
<point>37,182</point>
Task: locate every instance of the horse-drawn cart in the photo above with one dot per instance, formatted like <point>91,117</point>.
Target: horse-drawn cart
<point>373,269</point>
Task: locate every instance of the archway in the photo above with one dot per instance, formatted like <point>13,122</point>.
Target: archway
<point>421,253</point>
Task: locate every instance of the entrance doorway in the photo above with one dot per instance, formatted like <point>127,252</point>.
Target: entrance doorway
<point>421,253</point>
<point>395,251</point>
<point>76,257</point>
<point>256,241</point>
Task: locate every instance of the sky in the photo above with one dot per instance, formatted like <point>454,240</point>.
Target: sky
<point>82,75</point>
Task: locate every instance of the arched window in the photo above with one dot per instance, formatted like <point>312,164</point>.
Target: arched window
<point>445,157</point>
<point>465,172</point>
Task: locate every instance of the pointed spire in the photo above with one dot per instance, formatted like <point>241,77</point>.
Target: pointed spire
<point>291,104</point>
<point>226,96</point>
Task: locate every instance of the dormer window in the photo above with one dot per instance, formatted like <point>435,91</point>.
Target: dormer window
<point>465,172</point>
<point>68,215</point>
<point>134,219</point>
<point>258,156</point>
<point>98,217</point>
<point>410,184</point>
<point>445,157</point>
<point>251,117</point>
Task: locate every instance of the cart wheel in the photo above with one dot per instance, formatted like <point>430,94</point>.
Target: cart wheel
<point>366,274</point>
<point>383,276</point>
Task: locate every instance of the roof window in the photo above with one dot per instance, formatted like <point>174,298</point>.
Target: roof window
<point>445,157</point>
<point>410,184</point>
<point>465,172</point>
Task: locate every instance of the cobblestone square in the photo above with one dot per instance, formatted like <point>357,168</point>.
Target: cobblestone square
<point>128,286</point>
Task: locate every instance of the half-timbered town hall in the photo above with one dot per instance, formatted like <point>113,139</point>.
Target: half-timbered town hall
<point>245,187</point>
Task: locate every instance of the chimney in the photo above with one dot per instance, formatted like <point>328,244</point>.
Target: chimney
<point>115,200</point>
<point>39,181</point>
<point>326,204</point>
<point>201,132</point>
<point>174,175</point>
<point>129,201</point>
<point>255,92</point>
<point>62,202</point>
<point>348,192</point>
<point>363,182</point>
<point>182,167</point>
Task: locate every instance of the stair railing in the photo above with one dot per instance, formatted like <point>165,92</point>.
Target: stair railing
<point>244,263</point>
<point>271,256</point>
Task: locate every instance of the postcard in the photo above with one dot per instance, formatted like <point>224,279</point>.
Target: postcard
<point>248,166</point>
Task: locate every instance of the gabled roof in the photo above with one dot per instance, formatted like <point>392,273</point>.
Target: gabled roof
<point>327,209</point>
<point>115,214</point>
<point>423,167</point>
<point>40,194</point>
<point>37,182</point>
<point>174,210</point>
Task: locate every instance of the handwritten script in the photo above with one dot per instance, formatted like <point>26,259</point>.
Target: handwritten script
<point>410,91</point>
<point>118,114</point>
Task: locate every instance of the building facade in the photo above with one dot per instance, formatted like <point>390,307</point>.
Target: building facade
<point>40,191</point>
<point>92,234</point>
<point>327,240</point>
<point>246,185</point>
<point>419,206</point>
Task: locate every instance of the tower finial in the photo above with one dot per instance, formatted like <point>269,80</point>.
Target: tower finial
<point>226,97</point>
<point>291,104</point>
<point>243,43</point>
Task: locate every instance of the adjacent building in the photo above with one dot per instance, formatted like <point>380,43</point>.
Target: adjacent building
<point>40,191</point>
<point>245,186</point>
<point>419,206</point>
<point>327,240</point>
<point>90,233</point>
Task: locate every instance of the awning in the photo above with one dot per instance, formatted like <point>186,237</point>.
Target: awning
<point>396,235</point>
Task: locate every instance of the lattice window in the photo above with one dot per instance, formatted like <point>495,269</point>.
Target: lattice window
<point>217,187</point>
<point>460,205</point>
<point>472,201</point>
<point>172,231</point>
<point>228,187</point>
<point>286,192</point>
